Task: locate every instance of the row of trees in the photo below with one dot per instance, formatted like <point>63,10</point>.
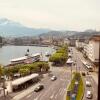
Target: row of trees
<point>0,39</point>
<point>25,69</point>
<point>60,57</point>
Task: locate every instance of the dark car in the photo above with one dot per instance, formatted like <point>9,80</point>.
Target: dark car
<point>83,74</point>
<point>39,88</point>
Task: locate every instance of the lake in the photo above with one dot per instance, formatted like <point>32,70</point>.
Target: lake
<point>10,52</point>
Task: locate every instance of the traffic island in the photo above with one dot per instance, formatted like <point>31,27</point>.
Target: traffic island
<point>75,90</point>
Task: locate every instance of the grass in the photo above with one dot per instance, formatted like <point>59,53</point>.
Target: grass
<point>80,90</point>
<point>80,87</point>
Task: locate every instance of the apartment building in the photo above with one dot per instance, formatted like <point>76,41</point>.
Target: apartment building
<point>66,41</point>
<point>93,48</point>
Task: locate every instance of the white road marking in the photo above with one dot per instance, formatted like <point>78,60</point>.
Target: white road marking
<point>28,96</point>
<point>56,95</point>
<point>36,99</point>
<point>52,95</point>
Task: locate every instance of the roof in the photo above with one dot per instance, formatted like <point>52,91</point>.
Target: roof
<point>18,59</point>
<point>24,79</point>
<point>95,38</point>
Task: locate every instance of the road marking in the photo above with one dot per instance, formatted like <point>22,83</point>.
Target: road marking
<point>51,96</point>
<point>61,92</point>
<point>56,96</point>
<point>36,99</point>
<point>28,96</point>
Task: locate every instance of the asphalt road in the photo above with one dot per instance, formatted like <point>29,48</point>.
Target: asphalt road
<point>53,90</point>
<point>80,67</point>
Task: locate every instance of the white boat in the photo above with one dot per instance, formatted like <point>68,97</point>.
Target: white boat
<point>47,54</point>
<point>26,59</point>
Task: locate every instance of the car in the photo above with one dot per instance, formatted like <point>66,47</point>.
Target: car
<point>88,83</point>
<point>53,78</point>
<point>38,88</point>
<point>89,94</point>
<point>83,74</point>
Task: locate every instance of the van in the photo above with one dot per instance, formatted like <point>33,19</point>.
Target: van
<point>88,83</point>
<point>89,95</point>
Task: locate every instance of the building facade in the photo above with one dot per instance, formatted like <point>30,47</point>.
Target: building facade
<point>93,48</point>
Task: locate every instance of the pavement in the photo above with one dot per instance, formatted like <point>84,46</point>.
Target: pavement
<point>53,90</point>
<point>95,77</point>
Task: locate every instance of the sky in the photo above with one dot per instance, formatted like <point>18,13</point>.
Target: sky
<point>53,14</point>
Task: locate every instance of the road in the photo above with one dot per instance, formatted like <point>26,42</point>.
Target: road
<point>77,56</point>
<point>56,90</point>
<point>53,90</point>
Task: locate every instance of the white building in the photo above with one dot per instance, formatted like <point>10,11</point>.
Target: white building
<point>79,43</point>
<point>93,48</point>
<point>66,41</point>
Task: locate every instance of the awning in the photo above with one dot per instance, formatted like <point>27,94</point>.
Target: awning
<point>24,79</point>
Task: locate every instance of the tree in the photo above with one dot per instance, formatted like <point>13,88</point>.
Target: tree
<point>0,72</point>
<point>0,39</point>
<point>24,71</point>
<point>60,56</point>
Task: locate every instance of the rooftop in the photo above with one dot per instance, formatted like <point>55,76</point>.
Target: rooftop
<point>24,79</point>
<point>95,38</point>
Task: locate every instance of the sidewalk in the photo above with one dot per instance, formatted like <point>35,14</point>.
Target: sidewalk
<point>25,93</point>
<point>95,77</point>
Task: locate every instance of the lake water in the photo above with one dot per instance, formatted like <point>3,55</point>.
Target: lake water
<point>10,52</point>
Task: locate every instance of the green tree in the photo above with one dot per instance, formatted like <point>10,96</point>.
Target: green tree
<point>24,71</point>
<point>60,56</point>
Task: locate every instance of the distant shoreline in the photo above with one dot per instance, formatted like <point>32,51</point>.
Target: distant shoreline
<point>40,45</point>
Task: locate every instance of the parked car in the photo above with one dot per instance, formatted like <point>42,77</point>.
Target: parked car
<point>39,88</point>
<point>83,74</point>
<point>88,83</point>
<point>53,78</point>
<point>89,95</point>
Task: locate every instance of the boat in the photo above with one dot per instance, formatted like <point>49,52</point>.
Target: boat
<point>26,59</point>
<point>47,54</point>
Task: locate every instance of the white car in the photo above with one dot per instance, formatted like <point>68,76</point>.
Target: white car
<point>88,83</point>
<point>89,95</point>
<point>53,78</point>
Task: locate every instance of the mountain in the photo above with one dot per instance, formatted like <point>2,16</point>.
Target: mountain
<point>10,28</point>
<point>69,34</point>
<point>58,34</point>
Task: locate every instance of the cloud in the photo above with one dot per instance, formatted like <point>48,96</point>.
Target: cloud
<point>59,14</point>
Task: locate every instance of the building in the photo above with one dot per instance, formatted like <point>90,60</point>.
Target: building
<point>93,48</point>
<point>72,41</point>
<point>79,43</point>
<point>66,41</point>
